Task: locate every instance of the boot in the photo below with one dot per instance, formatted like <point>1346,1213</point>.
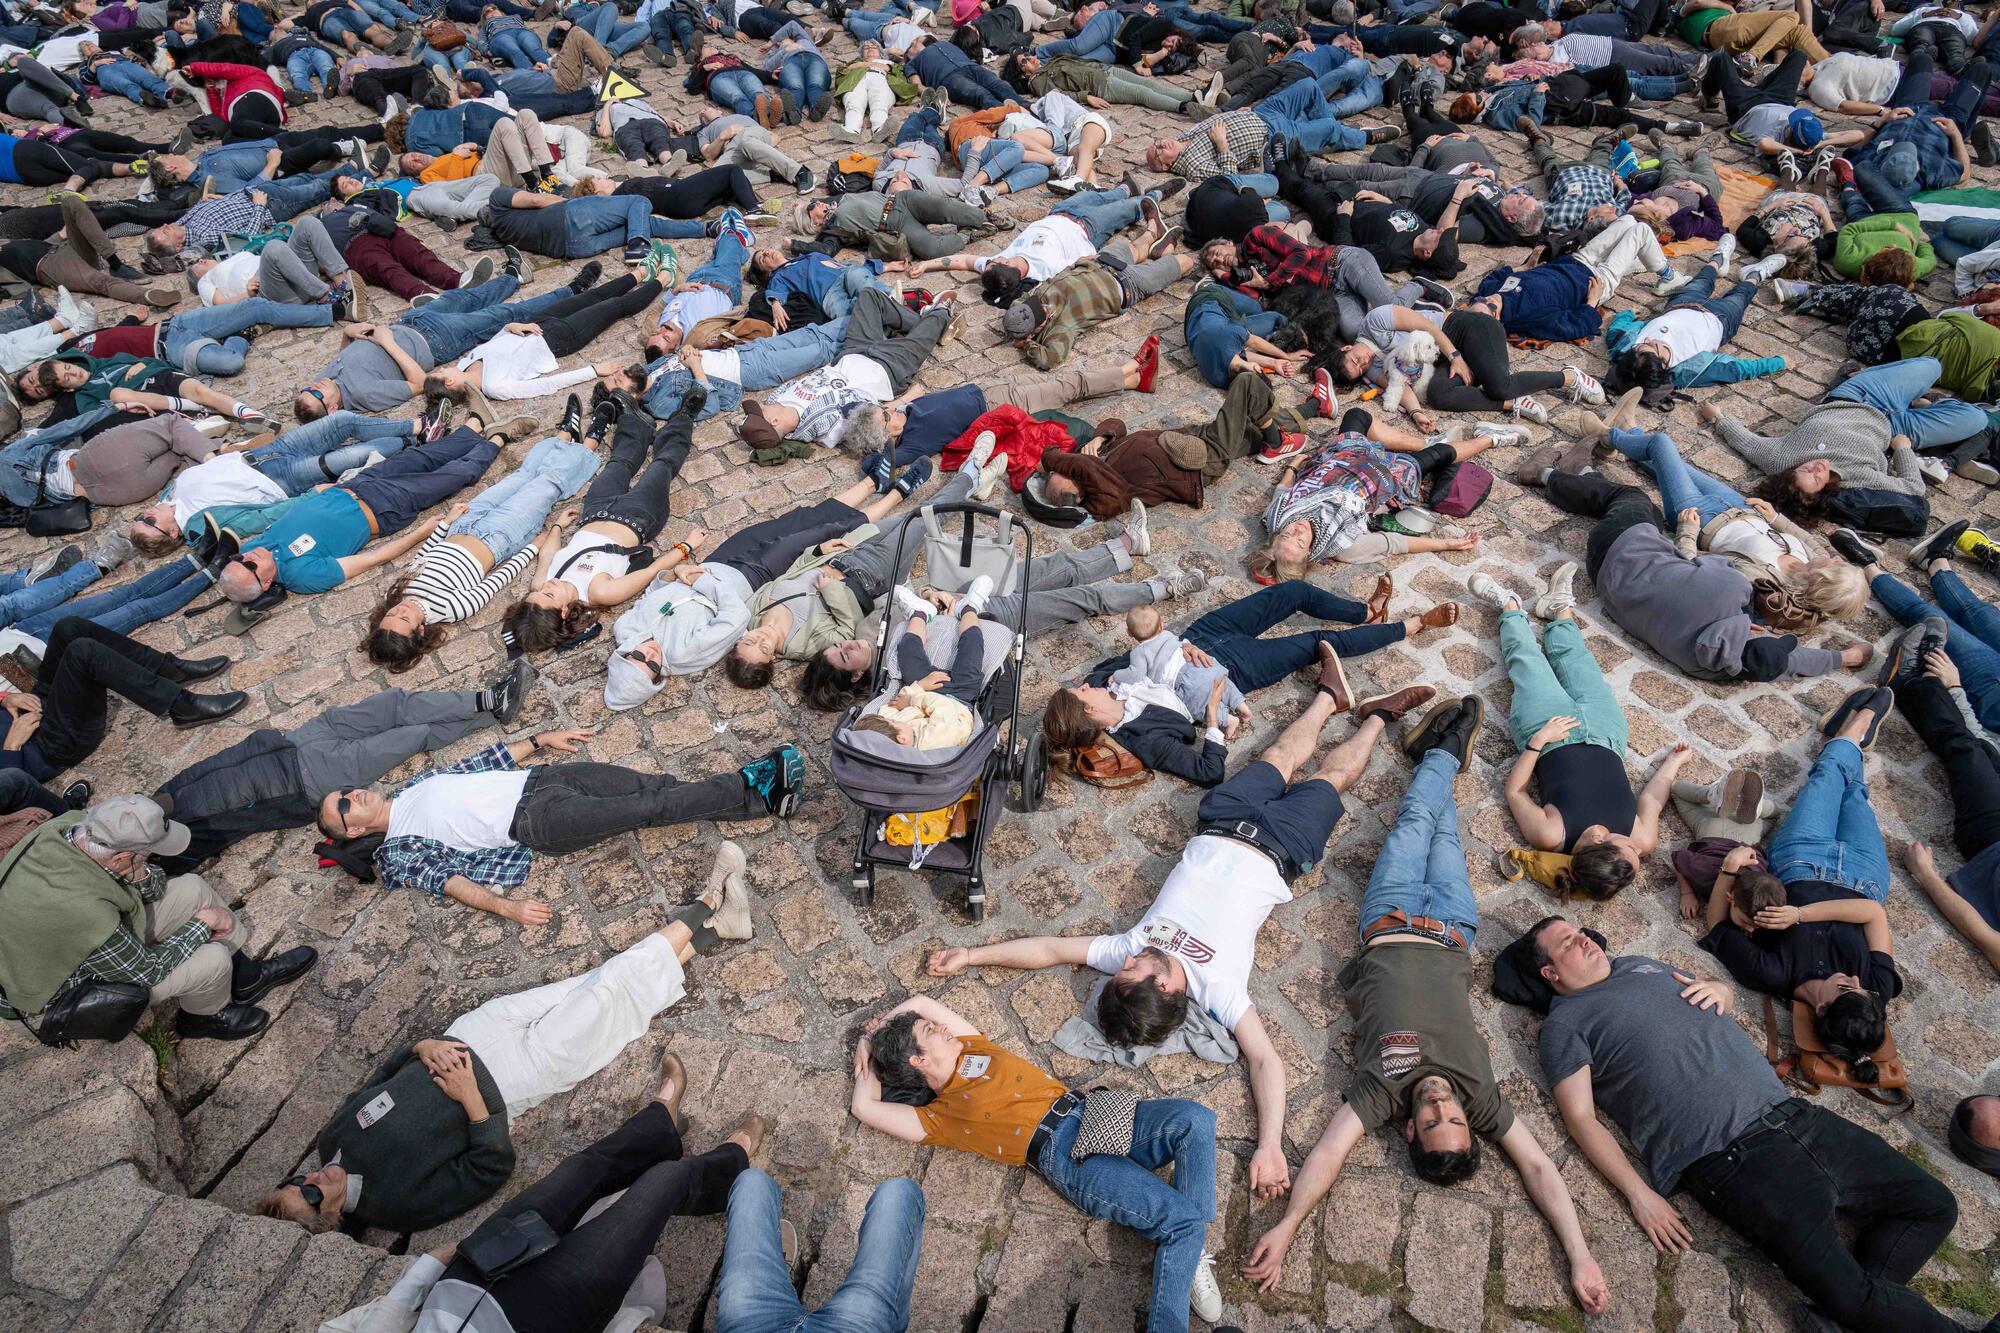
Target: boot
<point>195,710</point>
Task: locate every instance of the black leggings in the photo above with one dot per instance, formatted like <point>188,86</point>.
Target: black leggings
<point>1357,421</point>
<point>372,87</point>
<point>1426,122</point>
<point>573,323</point>
<point>37,220</point>
<point>582,1281</point>
<point>968,665</point>
<point>1573,93</point>
<point>1780,86</point>
<point>692,196</point>
<point>303,150</point>
<point>1969,770</point>
<point>763,551</point>
<point>255,116</point>
<point>1616,508</point>
<point>1482,341</point>
<point>641,505</point>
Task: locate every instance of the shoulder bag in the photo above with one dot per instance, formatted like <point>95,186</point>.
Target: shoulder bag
<point>87,1011</point>
<point>55,518</point>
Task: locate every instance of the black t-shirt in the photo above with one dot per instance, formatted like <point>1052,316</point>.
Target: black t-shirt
<point>1776,961</point>
<point>1387,231</point>
<point>316,14</point>
<point>1587,785</point>
<point>538,230</point>
<point>22,258</point>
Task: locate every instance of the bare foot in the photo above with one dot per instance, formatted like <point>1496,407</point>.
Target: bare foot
<point>749,1133</point>
<point>1231,726</point>
<point>673,1085</point>
<point>525,914</point>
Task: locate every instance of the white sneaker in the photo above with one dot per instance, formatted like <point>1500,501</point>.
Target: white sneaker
<point>909,606</point>
<point>1501,435</point>
<point>1586,389</point>
<point>1066,184</point>
<point>982,448</point>
<point>989,478</point>
<point>1765,269</point>
<point>1206,1296</point>
<point>975,596</point>
<point>1671,282</point>
<point>75,315</point>
<point>1490,589</point>
<point>1136,535</point>
<point>979,196</point>
<point>1725,254</point>
<point>1561,595</point>
<point>1530,410</point>
<point>1934,470</point>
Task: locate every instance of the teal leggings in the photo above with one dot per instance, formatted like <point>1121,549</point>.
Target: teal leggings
<point>1564,683</point>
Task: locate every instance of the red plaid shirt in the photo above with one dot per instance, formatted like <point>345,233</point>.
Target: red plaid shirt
<point>1285,260</point>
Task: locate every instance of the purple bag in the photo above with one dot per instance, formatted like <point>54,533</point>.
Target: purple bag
<point>1459,489</point>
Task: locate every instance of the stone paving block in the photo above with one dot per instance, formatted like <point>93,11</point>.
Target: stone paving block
<point>77,1141</point>
<point>332,1272</point>
<point>1448,1242</point>
<point>242,1261</point>
<point>63,1240</point>
<point>153,1267</point>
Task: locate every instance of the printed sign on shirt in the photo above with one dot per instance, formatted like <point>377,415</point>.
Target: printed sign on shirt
<point>375,1110</point>
<point>974,1066</point>
<point>1172,937</point>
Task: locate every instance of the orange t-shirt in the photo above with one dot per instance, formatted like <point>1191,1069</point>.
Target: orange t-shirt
<point>992,1104</point>
<point>449,167</point>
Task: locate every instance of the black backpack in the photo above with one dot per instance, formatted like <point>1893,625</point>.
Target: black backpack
<point>1886,513</point>
<point>840,182</point>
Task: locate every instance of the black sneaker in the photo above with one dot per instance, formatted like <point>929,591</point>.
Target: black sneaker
<point>344,306</point>
<point>1938,546</point>
<point>913,476</point>
<point>1904,661</point>
<point>435,420</point>
<point>803,182</point>
<point>693,400</point>
<point>77,794</point>
<point>637,250</point>
<point>572,417</point>
<point>1847,544</point>
<point>513,263</point>
<point>586,277</point>
<point>778,778</point>
<point>506,696</point>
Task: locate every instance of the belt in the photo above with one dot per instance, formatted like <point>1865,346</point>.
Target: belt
<point>1250,835</point>
<point>1064,1106</point>
<point>1400,922</point>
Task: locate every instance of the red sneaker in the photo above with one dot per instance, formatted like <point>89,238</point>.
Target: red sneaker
<point>1289,445</point>
<point>1843,171</point>
<point>1323,397</point>
<point>1149,362</point>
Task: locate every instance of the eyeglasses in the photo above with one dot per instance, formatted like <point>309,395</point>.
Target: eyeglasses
<point>312,1194</point>
<point>652,667</point>
<point>343,806</point>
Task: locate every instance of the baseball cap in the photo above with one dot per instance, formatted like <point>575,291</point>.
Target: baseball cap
<point>1802,128</point>
<point>133,824</point>
<point>1022,318</point>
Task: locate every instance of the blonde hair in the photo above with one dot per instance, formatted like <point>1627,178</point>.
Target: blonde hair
<point>1835,591</point>
<point>1142,622</point>
<point>1271,567</point>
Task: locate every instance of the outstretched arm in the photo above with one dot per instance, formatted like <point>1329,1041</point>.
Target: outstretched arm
<point>1545,1186</point>
<point>1653,798</point>
<point>1269,1175</point>
<point>1316,1176</point>
<point>1028,954</point>
<point>1655,1216</point>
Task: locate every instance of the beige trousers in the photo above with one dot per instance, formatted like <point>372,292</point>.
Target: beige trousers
<point>201,984</point>
<point>1064,386</point>
<point>516,151</point>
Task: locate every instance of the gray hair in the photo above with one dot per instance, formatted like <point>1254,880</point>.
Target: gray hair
<point>1528,34</point>
<point>867,430</point>
<point>239,584</point>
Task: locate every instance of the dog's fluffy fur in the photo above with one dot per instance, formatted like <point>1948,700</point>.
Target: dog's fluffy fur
<point>1412,358</point>
<point>1314,322</point>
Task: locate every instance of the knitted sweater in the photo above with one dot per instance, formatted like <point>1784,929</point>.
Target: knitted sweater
<point>1853,438</point>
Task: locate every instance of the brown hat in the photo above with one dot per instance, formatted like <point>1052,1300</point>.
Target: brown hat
<point>756,431</point>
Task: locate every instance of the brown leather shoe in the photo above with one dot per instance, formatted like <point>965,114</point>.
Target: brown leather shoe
<point>1576,459</point>
<point>1332,679</point>
<point>1391,707</point>
<point>1742,796</point>
<point>1529,473</point>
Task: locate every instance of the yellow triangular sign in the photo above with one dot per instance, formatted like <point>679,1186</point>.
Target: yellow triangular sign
<point>618,88</point>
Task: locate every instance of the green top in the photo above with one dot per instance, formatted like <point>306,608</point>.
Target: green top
<point>1966,345</point>
<point>56,907</point>
<point>1694,27</point>
<point>1412,1018</point>
<point>899,82</point>
<point>1882,231</point>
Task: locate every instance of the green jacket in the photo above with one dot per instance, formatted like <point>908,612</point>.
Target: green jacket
<point>1071,302</point>
<point>56,907</point>
<point>1966,345</point>
<point>1857,241</point>
<point>899,82</point>
<point>837,614</point>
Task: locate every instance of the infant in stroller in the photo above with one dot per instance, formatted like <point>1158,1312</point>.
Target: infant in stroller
<point>1158,658</point>
<point>933,710</point>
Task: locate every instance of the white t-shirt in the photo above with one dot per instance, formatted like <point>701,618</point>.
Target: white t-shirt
<point>1050,245</point>
<point>1756,540</point>
<point>1207,915</point>
<point>1686,333</point>
<point>229,278</point>
<point>1848,77</point>
<point>577,572</point>
<point>1764,122</point>
<point>824,399</point>
<point>471,812</point>
<point>896,37</point>
<point>226,479</point>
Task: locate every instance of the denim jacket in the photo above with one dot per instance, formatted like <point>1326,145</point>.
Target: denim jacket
<point>23,462</point>
<point>1699,370</point>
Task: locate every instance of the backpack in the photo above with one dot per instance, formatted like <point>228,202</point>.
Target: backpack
<point>1460,488</point>
<point>852,174</point>
<point>1887,513</point>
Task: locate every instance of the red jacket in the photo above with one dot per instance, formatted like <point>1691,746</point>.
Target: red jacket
<point>227,84</point>
<point>1022,438</point>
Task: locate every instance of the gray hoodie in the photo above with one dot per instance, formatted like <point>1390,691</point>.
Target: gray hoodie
<point>1853,438</point>
<point>695,626</point>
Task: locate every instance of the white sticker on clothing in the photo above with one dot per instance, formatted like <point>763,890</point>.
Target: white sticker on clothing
<point>302,544</point>
<point>375,1110</point>
<point>974,1066</point>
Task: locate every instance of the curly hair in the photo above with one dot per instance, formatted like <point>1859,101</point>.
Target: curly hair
<point>1890,268</point>
<point>1781,491</point>
<point>827,688</point>
<point>392,648</point>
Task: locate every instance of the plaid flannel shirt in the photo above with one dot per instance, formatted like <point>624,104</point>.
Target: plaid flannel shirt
<point>209,221</point>
<point>1285,260</point>
<point>426,863</point>
<point>1247,135</point>
<point>1580,187</point>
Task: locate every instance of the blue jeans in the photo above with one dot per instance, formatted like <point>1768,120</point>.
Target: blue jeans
<point>1891,388</point>
<point>1831,833</point>
<point>755,1294</point>
<point>1682,485</point>
<point>1659,87</point>
<point>924,125</point>
<point>1699,294</point>
<point>1296,817</point>
<point>302,67</point>
<point>461,319</point>
<point>867,25</point>
<point>152,597</point>
<point>206,340</point>
<point>1096,40</point>
<point>1959,237</point>
<point>725,270</point>
<point>736,89</point>
<point>127,79</point>
<point>1351,88</point>
<point>520,48</point>
<point>1229,633</point>
<point>451,62</point>
<point>390,13</point>
<point>602,22</point>
<point>806,77</point>
<point>319,451</point>
<point>596,223</point>
<point>764,363</point>
<point>233,166</point>
<point>18,599</point>
<point>295,194</point>
<point>838,300</point>
<point>341,22</point>
<point>1124,1190</point>
<point>1212,26</point>
<point>1218,331</point>
<point>1421,867</point>
<point>1104,213</point>
<point>507,515</point>
<point>1003,161</point>
<point>1265,184</point>
<point>1972,638</point>
<point>1871,193</point>
<point>672,28</point>
<point>1302,114</point>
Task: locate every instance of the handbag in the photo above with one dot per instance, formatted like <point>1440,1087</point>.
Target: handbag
<point>87,1011</point>
<point>443,35</point>
<point>1108,1124</point>
<point>1814,1067</point>
<point>1460,488</point>
<point>55,518</point>
<point>527,1236</point>
<point>1109,764</point>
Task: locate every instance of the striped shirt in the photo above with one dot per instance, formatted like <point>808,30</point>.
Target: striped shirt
<point>450,585</point>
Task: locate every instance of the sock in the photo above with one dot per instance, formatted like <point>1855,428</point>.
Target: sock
<point>485,701</point>
<point>1273,437</point>
<point>1547,472</point>
<point>695,918</point>
<point>243,970</point>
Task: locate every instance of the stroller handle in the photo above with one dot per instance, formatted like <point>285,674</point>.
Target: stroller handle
<point>966,507</point>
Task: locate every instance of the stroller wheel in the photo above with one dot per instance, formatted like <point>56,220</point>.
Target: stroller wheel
<point>1034,772</point>
<point>864,885</point>
<point>975,897</point>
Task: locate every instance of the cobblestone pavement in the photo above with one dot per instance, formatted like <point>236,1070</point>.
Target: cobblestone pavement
<point>122,1181</point>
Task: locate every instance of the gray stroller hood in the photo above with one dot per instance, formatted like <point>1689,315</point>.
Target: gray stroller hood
<point>875,773</point>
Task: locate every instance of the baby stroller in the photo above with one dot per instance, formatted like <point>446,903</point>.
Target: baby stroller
<point>916,795</point>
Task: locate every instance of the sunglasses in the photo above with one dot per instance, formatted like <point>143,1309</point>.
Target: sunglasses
<point>312,1194</point>
<point>316,394</point>
<point>652,667</point>
<point>343,806</point>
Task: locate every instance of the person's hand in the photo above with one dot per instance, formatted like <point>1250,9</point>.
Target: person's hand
<point>251,287</point>
<point>259,197</point>
<point>1898,113</point>
<point>1762,508</point>
<point>456,1079</point>
<point>435,1055</point>
<point>22,703</point>
<point>866,1086</point>
<point>444,1254</point>
<point>1195,656</point>
<point>1423,421</point>
<point>1938,664</point>
<point>1460,368</point>
<point>1689,517</point>
<point>1345,206</point>
<point>1690,905</point>
<point>1586,1279</point>
<point>901,699</point>
<point>1464,191</point>
<point>779,319</point>
<point>1215,697</point>
<point>688,574</point>
<point>1917,859</point>
<point>1551,731</point>
<point>565,742</point>
<point>219,920</point>
<point>943,601</point>
<point>1677,754</point>
<point>1267,1257</point>
<point>1709,414</point>
<point>380,336</point>
<point>948,962</point>
<point>695,538</point>
<point>1708,996</point>
<point>1270,1175</point>
<point>525,330</point>
<point>1737,858</point>
<point>1661,1223</point>
<point>1781,917</point>
<point>1372,196</point>
<point>458,510</point>
<point>828,574</point>
<point>1901,442</point>
<point>1950,127</point>
<point>932,681</point>
<point>130,400</point>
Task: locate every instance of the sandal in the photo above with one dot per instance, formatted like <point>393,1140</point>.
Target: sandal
<point>1378,600</point>
<point>1442,616</point>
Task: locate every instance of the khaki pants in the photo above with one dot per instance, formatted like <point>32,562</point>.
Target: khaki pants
<point>581,63</point>
<point>201,984</point>
<point>1757,35</point>
<point>1238,428</point>
<point>81,261</point>
<point>751,146</point>
<point>1064,386</point>
<point>516,152</point>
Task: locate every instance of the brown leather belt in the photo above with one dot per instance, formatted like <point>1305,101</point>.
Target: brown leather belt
<point>1400,922</point>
